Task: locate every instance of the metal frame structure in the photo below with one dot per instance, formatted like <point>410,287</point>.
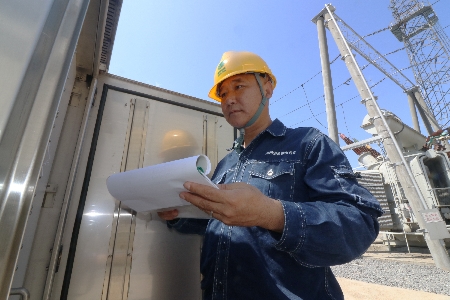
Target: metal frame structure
<point>378,60</point>
<point>393,150</point>
<point>428,48</point>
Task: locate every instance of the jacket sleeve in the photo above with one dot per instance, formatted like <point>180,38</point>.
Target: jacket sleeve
<point>338,221</point>
<point>189,226</point>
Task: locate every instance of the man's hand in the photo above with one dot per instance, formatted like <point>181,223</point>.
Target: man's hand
<point>168,215</point>
<point>237,204</point>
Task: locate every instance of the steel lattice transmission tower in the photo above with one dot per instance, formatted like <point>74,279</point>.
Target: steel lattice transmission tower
<point>428,47</point>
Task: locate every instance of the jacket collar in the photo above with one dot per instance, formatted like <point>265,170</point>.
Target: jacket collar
<point>277,128</point>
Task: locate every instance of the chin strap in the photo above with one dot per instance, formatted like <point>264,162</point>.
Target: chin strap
<point>237,145</point>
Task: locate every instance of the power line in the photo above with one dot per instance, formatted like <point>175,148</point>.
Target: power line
<point>345,120</point>
<point>307,119</point>
<point>295,88</point>
<point>302,106</point>
<point>375,32</point>
<point>443,126</point>
<point>306,96</point>
<point>392,52</point>
<point>304,82</point>
<point>345,82</point>
<point>340,104</point>
<point>324,112</point>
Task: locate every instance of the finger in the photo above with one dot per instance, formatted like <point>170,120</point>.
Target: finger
<point>202,203</point>
<point>233,186</point>
<point>204,191</point>
<point>168,214</point>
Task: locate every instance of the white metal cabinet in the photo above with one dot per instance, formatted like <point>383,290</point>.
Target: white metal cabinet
<point>142,258</point>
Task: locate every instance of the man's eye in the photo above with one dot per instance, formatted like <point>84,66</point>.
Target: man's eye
<point>239,87</point>
<point>222,95</point>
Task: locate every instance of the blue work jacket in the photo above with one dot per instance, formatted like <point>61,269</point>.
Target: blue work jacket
<point>329,220</point>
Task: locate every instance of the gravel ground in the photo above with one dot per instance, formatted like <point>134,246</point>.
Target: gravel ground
<point>410,276</point>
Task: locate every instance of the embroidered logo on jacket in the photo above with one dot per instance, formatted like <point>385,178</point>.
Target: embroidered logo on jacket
<point>280,152</point>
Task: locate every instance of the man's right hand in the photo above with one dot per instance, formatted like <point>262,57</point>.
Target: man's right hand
<point>168,215</point>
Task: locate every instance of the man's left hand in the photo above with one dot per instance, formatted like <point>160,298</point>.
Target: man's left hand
<point>237,204</point>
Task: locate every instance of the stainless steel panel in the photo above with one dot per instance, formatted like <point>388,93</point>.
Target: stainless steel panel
<point>25,21</point>
<point>23,292</point>
<point>42,188</point>
<point>30,109</point>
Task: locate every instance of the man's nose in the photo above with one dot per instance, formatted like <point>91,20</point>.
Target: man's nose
<point>230,98</point>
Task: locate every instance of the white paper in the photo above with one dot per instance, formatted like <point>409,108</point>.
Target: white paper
<point>158,187</point>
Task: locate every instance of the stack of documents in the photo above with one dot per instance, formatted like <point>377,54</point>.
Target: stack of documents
<point>157,188</point>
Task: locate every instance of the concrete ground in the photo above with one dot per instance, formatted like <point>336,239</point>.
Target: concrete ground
<point>357,290</point>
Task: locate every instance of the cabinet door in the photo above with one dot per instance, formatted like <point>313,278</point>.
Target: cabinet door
<point>121,255</point>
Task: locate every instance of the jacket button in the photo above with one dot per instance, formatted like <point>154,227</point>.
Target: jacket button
<point>270,172</point>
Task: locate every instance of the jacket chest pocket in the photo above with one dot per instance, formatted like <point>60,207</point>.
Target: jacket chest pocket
<point>275,180</point>
<point>225,177</point>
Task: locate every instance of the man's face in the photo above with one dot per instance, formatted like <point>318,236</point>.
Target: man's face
<point>241,96</point>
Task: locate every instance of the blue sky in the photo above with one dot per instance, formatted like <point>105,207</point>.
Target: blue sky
<point>176,45</point>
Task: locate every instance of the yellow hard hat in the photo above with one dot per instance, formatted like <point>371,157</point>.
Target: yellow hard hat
<point>233,63</point>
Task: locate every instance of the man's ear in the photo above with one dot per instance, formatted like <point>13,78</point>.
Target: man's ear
<point>268,89</point>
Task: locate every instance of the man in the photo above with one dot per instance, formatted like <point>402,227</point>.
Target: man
<point>288,206</point>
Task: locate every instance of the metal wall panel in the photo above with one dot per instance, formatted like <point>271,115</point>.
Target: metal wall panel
<point>18,40</point>
<point>44,196</point>
<point>37,60</point>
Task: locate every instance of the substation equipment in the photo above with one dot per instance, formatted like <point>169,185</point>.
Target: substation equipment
<point>411,182</point>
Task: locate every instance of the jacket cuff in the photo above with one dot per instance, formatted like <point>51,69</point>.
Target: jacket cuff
<point>294,232</point>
